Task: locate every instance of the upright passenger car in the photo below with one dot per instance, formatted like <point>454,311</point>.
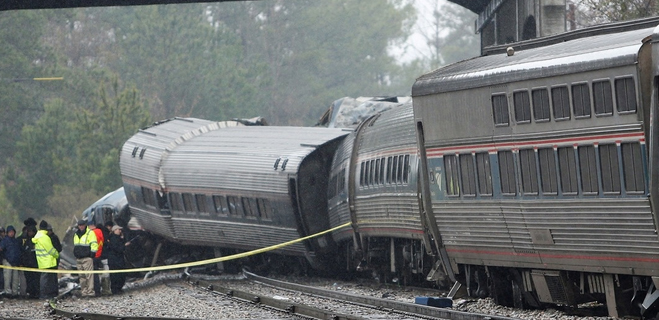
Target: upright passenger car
<point>540,169</point>
<point>204,183</point>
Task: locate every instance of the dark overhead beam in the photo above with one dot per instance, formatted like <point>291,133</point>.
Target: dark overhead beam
<point>58,4</point>
<point>477,6</point>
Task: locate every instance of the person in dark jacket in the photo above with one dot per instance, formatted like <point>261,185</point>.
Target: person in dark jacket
<point>29,259</point>
<point>11,247</point>
<point>116,246</point>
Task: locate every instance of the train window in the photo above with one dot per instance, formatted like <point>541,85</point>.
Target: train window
<point>377,171</point>
<point>201,203</point>
<point>148,197</point>
<point>188,203</point>
<point>265,209</point>
<point>507,172</point>
<point>500,109</point>
<point>247,209</point>
<point>250,207</point>
<point>529,171</point>
<point>625,95</point>
<point>175,201</point>
<point>342,180</point>
<point>561,101</point>
<point>467,175</point>
<point>548,177</point>
<point>361,174</point>
<point>161,199</point>
<point>406,169</point>
<point>389,169</point>
<point>331,188</point>
<point>221,206</point>
<point>371,175</point>
<point>522,106</point>
<point>581,100</point>
<point>610,168</point>
<point>394,169</point>
<point>452,175</point>
<point>603,97</point>
<point>235,207</point>
<point>484,173</point>
<point>588,168</point>
<point>540,104</point>
<point>401,166</point>
<point>254,207</point>
<point>382,172</point>
<point>632,166</point>
<point>568,170</point>
<point>367,173</point>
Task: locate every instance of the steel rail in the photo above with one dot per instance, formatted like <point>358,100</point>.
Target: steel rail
<point>393,306</point>
<point>294,309</point>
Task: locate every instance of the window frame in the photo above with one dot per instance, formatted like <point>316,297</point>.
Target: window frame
<point>522,102</point>
<point>627,79</point>
<point>452,170</point>
<point>528,171</point>
<point>541,105</point>
<point>563,102</point>
<point>500,109</point>
<point>221,205</point>
<point>609,163</point>
<point>484,174</point>
<point>549,177</point>
<point>603,97</point>
<point>507,177</point>
<point>583,98</point>
<point>636,168</point>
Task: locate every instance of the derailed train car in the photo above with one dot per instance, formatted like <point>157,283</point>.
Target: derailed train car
<point>232,187</point>
<point>374,185</point>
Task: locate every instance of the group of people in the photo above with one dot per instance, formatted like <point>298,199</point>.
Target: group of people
<point>96,247</point>
<point>100,247</point>
<point>32,248</point>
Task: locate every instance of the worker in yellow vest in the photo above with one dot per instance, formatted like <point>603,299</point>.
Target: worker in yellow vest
<point>47,257</point>
<point>84,249</point>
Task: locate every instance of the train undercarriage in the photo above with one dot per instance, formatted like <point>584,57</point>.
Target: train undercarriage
<point>405,261</point>
<point>623,295</point>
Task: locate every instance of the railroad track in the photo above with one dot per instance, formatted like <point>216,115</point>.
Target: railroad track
<point>376,304</point>
<point>336,305</point>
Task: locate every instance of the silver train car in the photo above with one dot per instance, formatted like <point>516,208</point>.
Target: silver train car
<point>539,167</point>
<point>373,184</point>
<point>196,182</point>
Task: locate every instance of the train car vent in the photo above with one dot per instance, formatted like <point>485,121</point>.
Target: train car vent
<point>135,151</point>
<point>283,165</point>
<point>277,163</point>
<point>552,287</point>
<point>142,153</point>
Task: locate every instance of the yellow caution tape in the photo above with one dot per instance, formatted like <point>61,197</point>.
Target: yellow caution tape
<point>182,265</point>
<point>48,79</point>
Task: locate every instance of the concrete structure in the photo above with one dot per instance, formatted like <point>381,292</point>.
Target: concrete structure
<point>507,21</point>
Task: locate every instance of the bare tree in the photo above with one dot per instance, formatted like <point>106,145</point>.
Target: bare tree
<point>592,12</point>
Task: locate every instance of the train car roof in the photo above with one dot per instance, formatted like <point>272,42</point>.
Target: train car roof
<point>578,55</point>
<point>390,131</point>
<point>182,155</point>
